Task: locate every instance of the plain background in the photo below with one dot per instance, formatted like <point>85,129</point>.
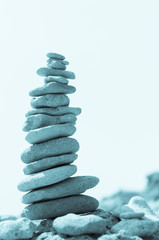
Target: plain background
<point>113,48</point>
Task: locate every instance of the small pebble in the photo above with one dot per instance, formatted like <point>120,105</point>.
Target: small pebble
<point>55,55</point>
<point>55,147</point>
<point>130,215</point>
<point>55,72</point>
<point>56,79</point>
<point>49,100</point>
<point>55,111</point>
<point>52,87</point>
<point>46,178</point>
<point>49,162</point>
<point>74,225</point>
<point>50,132</point>
<point>59,207</point>
<point>56,65</point>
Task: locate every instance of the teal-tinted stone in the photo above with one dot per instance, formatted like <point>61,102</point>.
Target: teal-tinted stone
<point>46,178</point>
<point>55,55</point>
<point>42,120</point>
<point>50,132</point>
<point>75,225</point>
<point>49,162</point>
<point>61,206</point>
<point>56,79</point>
<point>55,111</point>
<point>55,147</point>
<point>49,100</point>
<point>52,87</point>
<point>56,65</point>
<point>49,60</point>
<point>55,72</point>
<point>68,187</point>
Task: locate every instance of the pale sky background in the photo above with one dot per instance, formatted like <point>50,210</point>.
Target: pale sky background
<point>113,47</point>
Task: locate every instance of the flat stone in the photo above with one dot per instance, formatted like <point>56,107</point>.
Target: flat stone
<point>74,225</point>
<point>68,187</point>
<point>45,236</point>
<point>56,111</point>
<point>118,236</point>
<point>56,65</point>
<point>22,228</point>
<point>63,237</point>
<point>59,207</point>
<point>52,87</point>
<point>50,148</point>
<point>49,162</point>
<point>46,178</point>
<point>49,60</point>
<point>138,204</point>
<point>130,215</point>
<point>50,132</point>
<point>43,120</point>
<point>55,55</point>
<point>55,72</point>
<point>5,217</point>
<point>56,79</point>
<point>49,100</point>
<point>140,228</point>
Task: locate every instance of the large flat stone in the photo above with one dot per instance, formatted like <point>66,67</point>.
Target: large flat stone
<point>49,162</point>
<point>46,178</point>
<point>52,87</point>
<point>50,100</point>
<point>61,206</point>
<point>50,132</point>
<point>42,120</point>
<point>50,148</point>
<point>68,187</point>
<point>55,111</point>
<point>56,79</point>
<point>55,72</point>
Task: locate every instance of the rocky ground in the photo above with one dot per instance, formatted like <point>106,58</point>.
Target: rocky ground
<point>124,216</point>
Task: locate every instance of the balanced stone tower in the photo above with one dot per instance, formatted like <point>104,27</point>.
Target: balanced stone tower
<point>51,189</point>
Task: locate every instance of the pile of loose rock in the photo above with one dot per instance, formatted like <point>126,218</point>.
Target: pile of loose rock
<point>51,191</point>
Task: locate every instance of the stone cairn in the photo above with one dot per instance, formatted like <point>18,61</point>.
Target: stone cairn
<point>51,191</point>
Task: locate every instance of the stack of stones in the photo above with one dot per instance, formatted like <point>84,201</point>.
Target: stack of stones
<point>51,189</point>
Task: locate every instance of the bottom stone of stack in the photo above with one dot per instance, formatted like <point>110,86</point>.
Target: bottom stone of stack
<point>51,209</point>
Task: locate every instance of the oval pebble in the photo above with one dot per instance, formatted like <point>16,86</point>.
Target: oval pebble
<point>56,79</point>
<point>42,120</point>
<point>56,65</point>
<point>49,100</point>
<point>50,132</point>
<point>46,178</point>
<point>55,147</point>
<point>52,88</point>
<point>49,162</point>
<point>59,207</point>
<point>55,111</point>
<point>55,72</point>
<point>68,187</point>
<point>55,55</point>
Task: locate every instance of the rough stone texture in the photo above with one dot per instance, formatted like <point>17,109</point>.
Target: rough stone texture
<point>42,226</point>
<point>52,87</point>
<point>44,236</point>
<point>119,236</point>
<point>49,100</point>
<point>5,217</point>
<point>140,228</point>
<point>55,111</point>
<point>83,237</point>
<point>56,65</point>
<point>50,132</point>
<point>55,55</point>
<point>74,225</point>
<point>50,148</point>
<point>56,79</point>
<point>59,207</point>
<point>68,187</point>
<point>55,72</point>
<point>43,120</point>
<point>49,162</point>
<point>46,178</point>
<point>130,215</point>
<point>19,229</point>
